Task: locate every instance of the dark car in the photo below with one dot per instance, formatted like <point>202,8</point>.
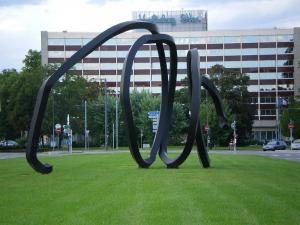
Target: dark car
<point>275,145</point>
<point>8,143</point>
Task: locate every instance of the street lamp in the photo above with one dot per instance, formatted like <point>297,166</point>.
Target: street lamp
<point>53,125</point>
<point>105,112</point>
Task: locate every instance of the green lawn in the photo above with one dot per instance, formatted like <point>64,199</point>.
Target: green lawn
<point>110,189</point>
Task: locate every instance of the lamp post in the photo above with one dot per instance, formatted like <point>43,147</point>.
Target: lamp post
<point>85,127</point>
<point>53,124</point>
<point>105,112</point>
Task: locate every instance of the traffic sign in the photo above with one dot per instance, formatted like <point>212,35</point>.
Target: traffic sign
<point>153,114</point>
<point>206,127</point>
<point>233,125</point>
<point>57,128</point>
<point>291,125</point>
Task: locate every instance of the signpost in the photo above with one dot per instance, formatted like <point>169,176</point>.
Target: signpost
<point>206,128</point>
<point>154,115</point>
<point>233,126</point>
<point>57,131</point>
<point>291,127</point>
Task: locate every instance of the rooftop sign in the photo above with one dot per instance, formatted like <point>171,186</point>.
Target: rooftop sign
<point>182,20</point>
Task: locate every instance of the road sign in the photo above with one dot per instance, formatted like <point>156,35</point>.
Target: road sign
<point>233,125</point>
<point>57,128</point>
<point>153,114</point>
<point>206,127</point>
<point>291,125</point>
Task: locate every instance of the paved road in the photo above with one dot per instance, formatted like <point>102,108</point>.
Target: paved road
<point>279,154</point>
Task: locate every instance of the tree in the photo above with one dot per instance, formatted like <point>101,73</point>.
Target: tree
<point>18,92</point>
<point>218,136</point>
<point>291,113</point>
<point>232,85</point>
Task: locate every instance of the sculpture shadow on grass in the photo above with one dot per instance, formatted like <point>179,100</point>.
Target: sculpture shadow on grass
<point>167,98</point>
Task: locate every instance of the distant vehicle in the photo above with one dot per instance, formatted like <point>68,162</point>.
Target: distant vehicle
<point>296,144</point>
<point>8,143</point>
<point>275,145</point>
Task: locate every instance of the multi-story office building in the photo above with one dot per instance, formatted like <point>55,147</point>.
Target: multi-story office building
<point>269,56</point>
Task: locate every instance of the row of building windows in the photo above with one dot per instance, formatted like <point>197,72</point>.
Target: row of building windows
<point>270,87</point>
<point>182,40</point>
<point>180,53</point>
<point>183,65</point>
<point>267,99</point>
<point>265,112</point>
<point>264,136</point>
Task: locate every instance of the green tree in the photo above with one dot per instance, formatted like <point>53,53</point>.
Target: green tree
<point>291,113</point>
<point>232,85</point>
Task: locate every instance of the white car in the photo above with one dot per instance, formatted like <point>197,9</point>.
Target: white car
<point>296,144</point>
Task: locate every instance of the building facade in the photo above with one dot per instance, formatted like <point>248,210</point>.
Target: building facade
<point>269,56</point>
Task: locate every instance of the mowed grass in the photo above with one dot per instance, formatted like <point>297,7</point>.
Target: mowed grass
<point>110,189</point>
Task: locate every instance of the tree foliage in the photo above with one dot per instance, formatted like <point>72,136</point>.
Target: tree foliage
<point>232,85</point>
<point>291,113</point>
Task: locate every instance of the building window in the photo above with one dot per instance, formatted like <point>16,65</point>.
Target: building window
<point>56,41</point>
<point>250,39</point>
<point>249,64</point>
<point>123,41</point>
<point>232,39</point>
<point>285,75</point>
<point>91,66</point>
<point>249,51</point>
<point>215,40</point>
<point>267,63</point>
<point>268,76</point>
<point>267,51</point>
<point>215,52</point>
<point>232,64</point>
<point>267,99</point>
<point>281,51</point>
<point>183,40</point>
<point>108,54</point>
<point>228,52</point>
<point>285,38</point>
<point>73,41</point>
<point>253,76</point>
<point>268,38</point>
<point>267,87</point>
<point>284,62</point>
<point>253,88</point>
<point>142,66</point>
<point>56,54</point>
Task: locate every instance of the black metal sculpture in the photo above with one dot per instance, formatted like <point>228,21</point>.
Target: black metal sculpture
<point>167,98</point>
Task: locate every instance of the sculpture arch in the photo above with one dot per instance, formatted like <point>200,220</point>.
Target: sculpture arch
<point>167,98</point>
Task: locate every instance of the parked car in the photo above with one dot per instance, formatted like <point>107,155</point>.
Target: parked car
<point>296,144</point>
<point>275,145</point>
<point>8,143</point>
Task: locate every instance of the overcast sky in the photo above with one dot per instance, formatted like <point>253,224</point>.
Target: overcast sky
<point>21,21</point>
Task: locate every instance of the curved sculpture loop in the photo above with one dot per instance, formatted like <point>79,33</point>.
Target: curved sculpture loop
<point>167,98</point>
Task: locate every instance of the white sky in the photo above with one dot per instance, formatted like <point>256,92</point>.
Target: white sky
<point>21,21</point>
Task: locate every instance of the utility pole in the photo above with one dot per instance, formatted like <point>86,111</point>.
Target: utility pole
<point>105,113</point>
<point>117,123</point>
<point>208,130</point>
<point>113,136</point>
<point>233,126</point>
<point>291,126</point>
<point>53,134</point>
<point>85,126</point>
<point>142,138</point>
